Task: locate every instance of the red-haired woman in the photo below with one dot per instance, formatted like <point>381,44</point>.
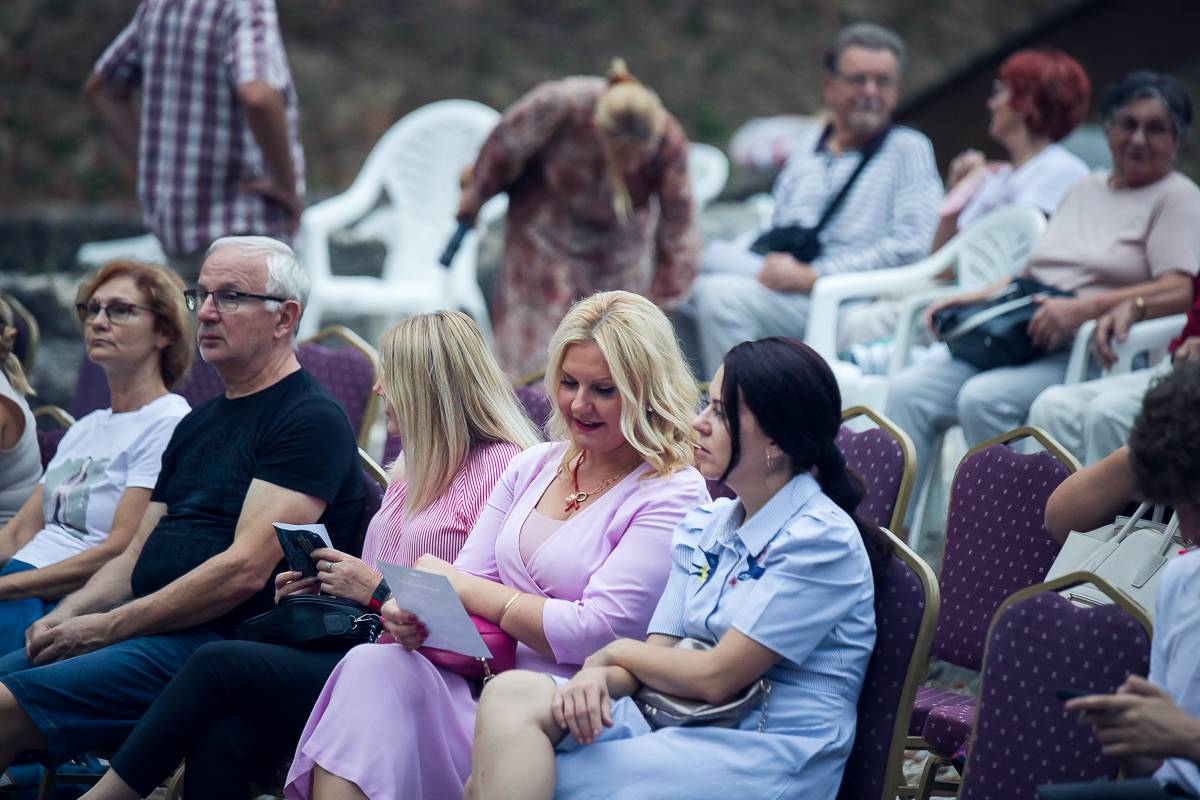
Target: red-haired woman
<point>1038,98</point>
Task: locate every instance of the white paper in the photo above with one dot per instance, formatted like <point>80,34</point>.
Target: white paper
<point>316,528</point>
<point>436,604</point>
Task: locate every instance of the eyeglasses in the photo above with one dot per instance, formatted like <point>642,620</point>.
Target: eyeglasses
<point>118,311</point>
<point>859,80</point>
<point>226,300</point>
<point>1151,130</point>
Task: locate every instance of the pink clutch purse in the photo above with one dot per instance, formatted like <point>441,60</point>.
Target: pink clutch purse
<point>503,647</point>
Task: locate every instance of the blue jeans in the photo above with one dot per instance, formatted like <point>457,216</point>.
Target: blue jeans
<point>17,615</point>
<point>94,700</point>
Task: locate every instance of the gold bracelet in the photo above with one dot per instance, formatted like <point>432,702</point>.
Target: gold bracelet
<point>507,606</point>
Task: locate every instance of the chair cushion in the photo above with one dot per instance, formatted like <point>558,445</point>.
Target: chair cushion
<point>948,727</point>
<point>927,700</point>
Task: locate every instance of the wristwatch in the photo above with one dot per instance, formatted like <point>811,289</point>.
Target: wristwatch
<point>379,596</point>
<point>1139,305</point>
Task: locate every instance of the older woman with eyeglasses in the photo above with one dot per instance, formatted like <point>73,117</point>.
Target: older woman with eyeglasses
<point>1122,236</point>
<point>97,486</point>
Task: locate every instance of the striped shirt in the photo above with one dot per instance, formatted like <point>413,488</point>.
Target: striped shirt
<point>887,219</point>
<point>195,145</point>
<point>440,528</point>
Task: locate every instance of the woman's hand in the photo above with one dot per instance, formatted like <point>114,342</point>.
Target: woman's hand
<point>403,626</point>
<point>1056,320</point>
<point>1115,322</point>
<point>294,582</point>
<point>1189,350</point>
<point>343,575</point>
<point>1140,720</point>
<point>963,165</point>
<point>583,705</point>
<point>948,302</point>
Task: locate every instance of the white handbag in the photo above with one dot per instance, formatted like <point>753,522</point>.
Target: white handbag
<point>1130,554</point>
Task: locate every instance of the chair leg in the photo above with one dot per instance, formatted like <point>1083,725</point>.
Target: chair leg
<point>929,785</point>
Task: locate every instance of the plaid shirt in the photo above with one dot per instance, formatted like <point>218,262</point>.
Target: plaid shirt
<point>195,145</point>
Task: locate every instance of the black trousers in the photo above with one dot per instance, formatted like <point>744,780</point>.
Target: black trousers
<point>234,711</point>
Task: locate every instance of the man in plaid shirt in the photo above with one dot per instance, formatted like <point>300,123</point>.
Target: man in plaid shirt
<point>217,138</point>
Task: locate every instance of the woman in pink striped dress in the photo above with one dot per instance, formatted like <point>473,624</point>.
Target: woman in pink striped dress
<point>237,708</point>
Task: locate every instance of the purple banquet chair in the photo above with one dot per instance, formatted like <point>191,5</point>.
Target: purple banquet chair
<point>347,371</point>
<point>996,544</point>
<point>906,611</point>
<point>52,425</point>
<point>884,457</point>
<point>1038,643</point>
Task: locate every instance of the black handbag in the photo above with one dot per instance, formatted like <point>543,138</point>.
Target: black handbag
<point>315,621</point>
<point>994,333</point>
<point>804,244</point>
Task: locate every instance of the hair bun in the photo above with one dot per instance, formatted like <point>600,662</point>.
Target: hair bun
<point>618,72</point>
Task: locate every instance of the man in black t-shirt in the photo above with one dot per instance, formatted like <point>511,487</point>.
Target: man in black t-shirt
<point>275,448</point>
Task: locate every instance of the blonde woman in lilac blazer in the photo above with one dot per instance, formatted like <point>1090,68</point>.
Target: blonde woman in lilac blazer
<point>571,552</point>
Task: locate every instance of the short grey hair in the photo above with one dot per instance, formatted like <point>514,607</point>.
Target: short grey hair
<point>870,36</point>
<point>285,277</point>
<point>1145,84</point>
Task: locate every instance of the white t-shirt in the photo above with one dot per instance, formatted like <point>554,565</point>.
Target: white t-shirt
<point>1042,181</point>
<point>1173,652</point>
<point>21,464</point>
<point>98,458</point>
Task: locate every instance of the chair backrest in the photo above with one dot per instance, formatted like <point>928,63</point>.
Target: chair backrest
<point>537,406</point>
<point>202,383</point>
<point>1038,643</point>
<point>418,164</point>
<point>997,245</point>
<point>52,424</point>
<point>996,538</point>
<point>708,170</point>
<point>91,390</point>
<point>348,372</point>
<point>906,611</point>
<point>1145,344</point>
<point>884,457</point>
<point>375,484</point>
<point>28,333</point>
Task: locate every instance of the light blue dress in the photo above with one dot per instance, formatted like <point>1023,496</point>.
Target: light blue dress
<point>796,579</point>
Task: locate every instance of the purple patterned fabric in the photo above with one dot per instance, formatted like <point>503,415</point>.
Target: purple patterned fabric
<point>1023,737</point>
<point>188,57</point>
<point>91,390</point>
<point>203,382</point>
<point>996,544</point>
<point>948,727</point>
<point>537,406</point>
<point>371,503</point>
<point>927,700</point>
<point>899,603</point>
<point>346,373</point>
<point>878,459</point>
<point>48,443</point>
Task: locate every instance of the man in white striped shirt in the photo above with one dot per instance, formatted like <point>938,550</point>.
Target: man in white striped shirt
<point>887,218</point>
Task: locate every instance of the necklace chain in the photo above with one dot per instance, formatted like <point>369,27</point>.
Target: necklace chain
<point>576,497</point>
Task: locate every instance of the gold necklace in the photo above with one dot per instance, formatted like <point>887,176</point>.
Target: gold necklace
<point>576,498</point>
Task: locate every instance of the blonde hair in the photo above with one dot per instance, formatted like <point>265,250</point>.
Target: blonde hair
<point>164,292</point>
<point>658,392</point>
<point>10,365</point>
<point>448,395</point>
<point>630,112</point>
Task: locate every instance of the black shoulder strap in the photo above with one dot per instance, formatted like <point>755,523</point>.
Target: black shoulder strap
<point>868,152</point>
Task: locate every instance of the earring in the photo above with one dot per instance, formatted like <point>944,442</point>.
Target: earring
<point>770,461</point>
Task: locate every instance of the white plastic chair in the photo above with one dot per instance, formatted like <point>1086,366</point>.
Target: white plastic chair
<point>992,248</point>
<point>708,170</point>
<point>137,248</point>
<point>1149,338</point>
<point>416,166</point>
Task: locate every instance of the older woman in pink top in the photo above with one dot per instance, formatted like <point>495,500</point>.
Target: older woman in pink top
<point>570,553</point>
<point>237,708</point>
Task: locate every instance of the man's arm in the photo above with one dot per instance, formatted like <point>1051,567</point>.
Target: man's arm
<point>267,116</point>
<point>115,106</point>
<point>228,579</point>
